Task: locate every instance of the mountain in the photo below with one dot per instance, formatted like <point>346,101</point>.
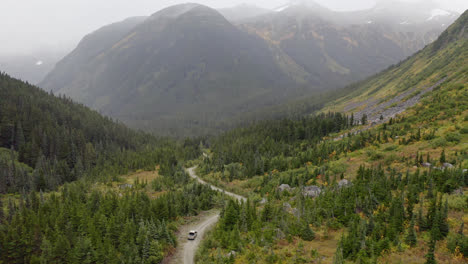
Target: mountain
<point>401,86</point>
<point>186,62</point>
<point>330,49</point>
<point>187,70</point>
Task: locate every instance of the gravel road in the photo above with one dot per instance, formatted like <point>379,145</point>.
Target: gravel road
<point>186,250</point>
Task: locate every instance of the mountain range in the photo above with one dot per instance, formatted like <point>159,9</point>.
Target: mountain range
<point>168,72</point>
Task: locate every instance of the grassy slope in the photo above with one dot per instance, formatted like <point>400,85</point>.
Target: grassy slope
<point>444,111</point>
<point>446,57</point>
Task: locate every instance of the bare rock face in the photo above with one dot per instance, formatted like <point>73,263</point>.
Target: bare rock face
<point>312,191</point>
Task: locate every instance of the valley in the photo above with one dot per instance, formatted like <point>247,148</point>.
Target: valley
<point>291,135</point>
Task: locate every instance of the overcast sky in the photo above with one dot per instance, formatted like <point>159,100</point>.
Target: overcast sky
<point>28,25</point>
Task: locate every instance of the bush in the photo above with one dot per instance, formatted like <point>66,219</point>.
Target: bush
<point>464,130</point>
<point>391,148</point>
<point>457,202</point>
<point>439,142</point>
<point>390,159</point>
<point>374,155</point>
<point>453,137</point>
<point>458,241</point>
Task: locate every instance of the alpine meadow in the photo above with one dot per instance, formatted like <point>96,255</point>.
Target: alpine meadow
<point>228,132</point>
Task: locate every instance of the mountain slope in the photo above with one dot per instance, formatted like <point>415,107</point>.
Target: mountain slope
<point>331,49</point>
<point>390,193</point>
<point>180,64</point>
<point>56,140</point>
<point>392,91</point>
<point>187,70</point>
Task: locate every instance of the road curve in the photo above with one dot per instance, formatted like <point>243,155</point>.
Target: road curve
<point>185,253</point>
<point>192,174</point>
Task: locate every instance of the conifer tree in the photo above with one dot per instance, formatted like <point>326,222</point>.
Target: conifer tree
<point>442,158</point>
<point>338,258</point>
<point>307,233</point>
<point>430,256</point>
<point>411,236</point>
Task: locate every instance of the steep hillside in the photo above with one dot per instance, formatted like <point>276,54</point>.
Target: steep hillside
<point>331,49</point>
<point>186,63</point>
<point>388,193</point>
<point>401,86</point>
<point>46,141</point>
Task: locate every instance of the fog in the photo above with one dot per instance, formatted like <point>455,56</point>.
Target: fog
<point>28,26</point>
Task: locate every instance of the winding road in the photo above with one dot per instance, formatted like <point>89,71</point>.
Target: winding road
<point>185,252</point>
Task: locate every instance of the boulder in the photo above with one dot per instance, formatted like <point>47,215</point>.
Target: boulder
<point>448,166</point>
<point>458,191</point>
<point>284,187</point>
<point>344,183</point>
<point>312,191</point>
<point>426,164</point>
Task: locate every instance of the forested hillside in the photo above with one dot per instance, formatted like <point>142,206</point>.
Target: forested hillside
<point>64,193</point>
<point>88,223</point>
<point>393,191</point>
<point>46,141</point>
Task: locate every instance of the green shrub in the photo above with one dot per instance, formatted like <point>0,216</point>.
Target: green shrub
<point>439,142</point>
<point>390,159</point>
<point>453,137</point>
<point>374,155</point>
<point>459,241</point>
<point>457,202</point>
<point>391,148</point>
<point>464,130</point>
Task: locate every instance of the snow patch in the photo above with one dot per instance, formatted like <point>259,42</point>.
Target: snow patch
<point>405,23</point>
<point>282,8</point>
<point>370,22</point>
<point>39,63</point>
<point>438,12</point>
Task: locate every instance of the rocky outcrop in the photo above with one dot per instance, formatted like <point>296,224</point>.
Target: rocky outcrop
<point>311,191</point>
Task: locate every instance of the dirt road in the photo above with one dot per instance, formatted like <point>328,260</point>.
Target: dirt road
<point>192,173</point>
<point>186,250</point>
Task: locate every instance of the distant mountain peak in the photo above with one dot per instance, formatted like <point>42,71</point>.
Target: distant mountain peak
<point>178,10</point>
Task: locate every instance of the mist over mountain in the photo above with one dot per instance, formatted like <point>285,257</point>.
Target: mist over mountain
<point>243,12</point>
<point>187,69</point>
<point>31,67</point>
<point>186,61</point>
